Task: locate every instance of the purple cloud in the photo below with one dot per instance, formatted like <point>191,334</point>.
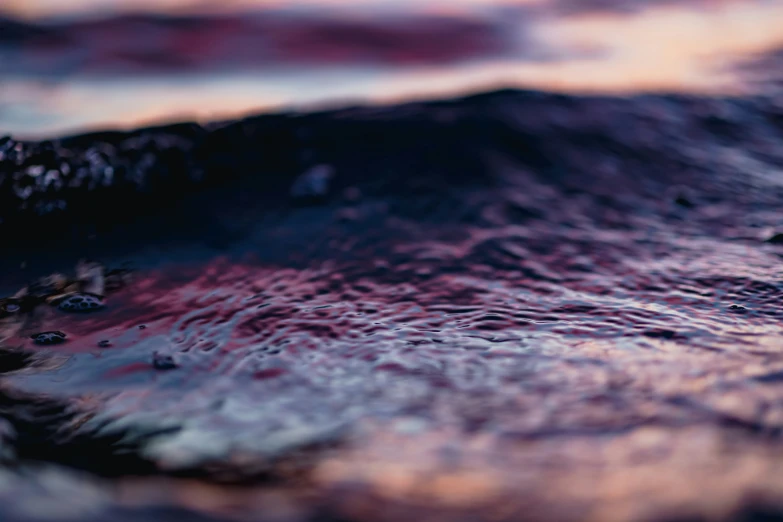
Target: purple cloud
<point>139,44</point>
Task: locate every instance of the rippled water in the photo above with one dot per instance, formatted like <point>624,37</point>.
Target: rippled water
<point>512,306</point>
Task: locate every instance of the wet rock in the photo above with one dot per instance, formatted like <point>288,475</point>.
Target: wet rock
<point>46,338</point>
<point>80,303</point>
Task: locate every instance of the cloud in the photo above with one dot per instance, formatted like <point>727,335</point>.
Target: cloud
<point>150,44</point>
<point>763,69</point>
<point>629,7</point>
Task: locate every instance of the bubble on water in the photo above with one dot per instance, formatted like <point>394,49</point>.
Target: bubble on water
<point>10,306</point>
<point>46,338</point>
<point>81,303</point>
<point>163,361</point>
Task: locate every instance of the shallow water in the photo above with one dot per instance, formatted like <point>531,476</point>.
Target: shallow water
<point>513,306</point>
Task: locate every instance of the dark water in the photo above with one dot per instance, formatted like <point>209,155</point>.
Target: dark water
<point>512,306</point>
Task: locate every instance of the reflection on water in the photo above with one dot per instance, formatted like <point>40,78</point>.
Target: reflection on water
<point>198,61</point>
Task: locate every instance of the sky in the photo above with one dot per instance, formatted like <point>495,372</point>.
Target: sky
<point>69,66</point>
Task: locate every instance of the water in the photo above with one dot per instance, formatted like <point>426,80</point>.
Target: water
<point>517,305</point>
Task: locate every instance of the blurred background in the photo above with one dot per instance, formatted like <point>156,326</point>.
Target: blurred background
<point>75,65</point>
